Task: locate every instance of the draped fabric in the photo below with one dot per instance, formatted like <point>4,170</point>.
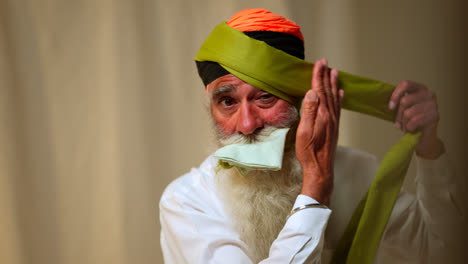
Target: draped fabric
<point>101,107</point>
<point>286,76</point>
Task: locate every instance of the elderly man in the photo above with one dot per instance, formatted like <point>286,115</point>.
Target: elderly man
<point>243,206</point>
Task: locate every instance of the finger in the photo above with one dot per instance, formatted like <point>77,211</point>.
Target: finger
<point>421,116</point>
<point>407,115</point>
<point>334,88</point>
<point>340,102</point>
<point>402,88</point>
<point>317,82</point>
<point>422,121</point>
<point>413,112</point>
<point>415,123</point>
<point>327,89</point>
<point>407,102</point>
<point>418,122</point>
<point>337,101</point>
<point>309,114</point>
<point>322,128</point>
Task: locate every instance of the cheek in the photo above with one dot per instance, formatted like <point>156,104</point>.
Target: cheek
<point>277,114</point>
<point>225,124</point>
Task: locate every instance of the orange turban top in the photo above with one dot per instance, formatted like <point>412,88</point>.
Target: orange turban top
<point>260,24</point>
<point>259,19</point>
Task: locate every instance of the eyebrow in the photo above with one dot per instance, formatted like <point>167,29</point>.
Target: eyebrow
<point>223,89</point>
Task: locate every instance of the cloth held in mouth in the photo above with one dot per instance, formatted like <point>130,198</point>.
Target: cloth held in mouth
<point>264,155</point>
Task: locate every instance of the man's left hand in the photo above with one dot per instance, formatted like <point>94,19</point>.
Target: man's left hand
<point>416,108</point>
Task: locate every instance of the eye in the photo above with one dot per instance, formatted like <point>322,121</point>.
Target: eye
<point>266,99</point>
<point>226,101</point>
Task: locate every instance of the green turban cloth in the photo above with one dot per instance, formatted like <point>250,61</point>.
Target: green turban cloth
<point>289,78</point>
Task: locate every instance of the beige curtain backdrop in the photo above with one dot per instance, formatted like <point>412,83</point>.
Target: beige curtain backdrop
<point>101,107</point>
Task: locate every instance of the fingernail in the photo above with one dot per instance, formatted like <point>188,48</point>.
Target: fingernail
<point>398,126</point>
<point>391,105</point>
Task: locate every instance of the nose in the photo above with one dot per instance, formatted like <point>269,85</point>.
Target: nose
<point>247,121</point>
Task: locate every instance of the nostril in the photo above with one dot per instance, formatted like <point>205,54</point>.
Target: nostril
<point>247,129</point>
<point>249,124</point>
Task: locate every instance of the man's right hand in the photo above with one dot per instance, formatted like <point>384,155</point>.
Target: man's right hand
<point>317,134</point>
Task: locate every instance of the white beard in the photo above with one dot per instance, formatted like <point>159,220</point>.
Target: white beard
<point>259,202</point>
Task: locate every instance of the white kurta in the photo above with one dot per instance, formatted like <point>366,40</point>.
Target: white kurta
<point>197,229</point>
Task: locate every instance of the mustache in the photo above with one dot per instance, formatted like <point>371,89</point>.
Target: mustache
<point>257,136</point>
<point>286,119</point>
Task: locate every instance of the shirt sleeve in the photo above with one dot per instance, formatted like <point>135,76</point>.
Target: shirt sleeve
<point>193,231</point>
<point>301,240</point>
<point>423,225</point>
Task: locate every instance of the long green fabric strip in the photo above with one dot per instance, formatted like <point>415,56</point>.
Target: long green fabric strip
<point>286,76</point>
<point>362,236</point>
<point>289,78</point>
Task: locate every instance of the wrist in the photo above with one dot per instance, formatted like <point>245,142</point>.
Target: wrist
<point>325,200</point>
<point>319,189</point>
<point>430,148</point>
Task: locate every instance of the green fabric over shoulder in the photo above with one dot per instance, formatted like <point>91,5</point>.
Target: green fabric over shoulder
<point>289,78</point>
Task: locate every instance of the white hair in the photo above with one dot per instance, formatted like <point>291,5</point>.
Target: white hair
<point>260,201</point>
